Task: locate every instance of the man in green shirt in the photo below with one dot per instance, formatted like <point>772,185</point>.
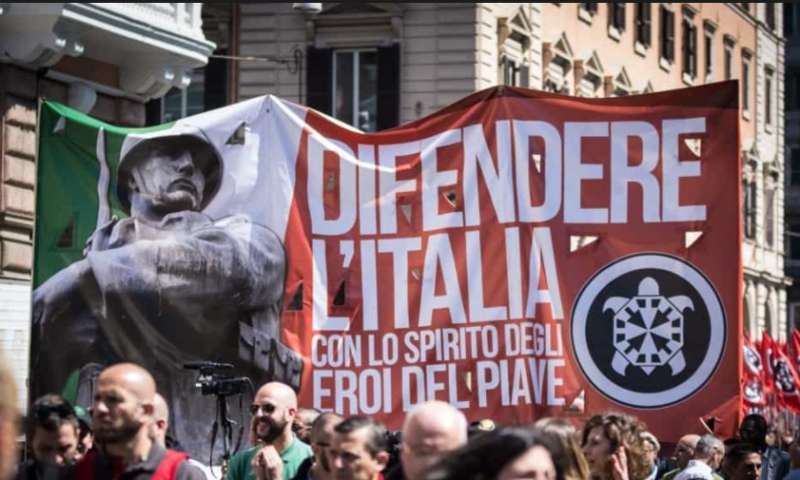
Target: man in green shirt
<point>278,453</point>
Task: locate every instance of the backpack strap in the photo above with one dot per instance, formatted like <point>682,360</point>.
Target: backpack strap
<point>168,467</point>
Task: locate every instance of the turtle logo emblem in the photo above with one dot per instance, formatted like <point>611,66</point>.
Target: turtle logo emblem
<point>648,330</point>
<point>661,318</point>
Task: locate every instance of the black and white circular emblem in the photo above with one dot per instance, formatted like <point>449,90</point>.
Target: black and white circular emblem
<point>648,330</point>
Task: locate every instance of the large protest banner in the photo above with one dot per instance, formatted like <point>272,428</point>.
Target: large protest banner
<point>517,254</point>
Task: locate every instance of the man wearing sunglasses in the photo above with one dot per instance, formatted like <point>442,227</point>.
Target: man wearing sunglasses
<point>278,453</point>
<point>52,429</point>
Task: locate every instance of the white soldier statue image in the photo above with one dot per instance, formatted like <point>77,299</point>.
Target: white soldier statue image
<point>168,285</point>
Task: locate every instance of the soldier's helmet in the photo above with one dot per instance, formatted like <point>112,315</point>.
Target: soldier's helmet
<point>137,147</point>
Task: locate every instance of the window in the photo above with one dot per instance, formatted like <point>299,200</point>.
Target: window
<point>360,87</point>
<point>689,47</point>
<point>769,77</point>
<point>749,209</point>
<point>746,83</point>
<point>208,90</point>
<point>788,19</point>
<point>355,88</point>
<point>728,59</point>
<point>616,15</point>
<point>769,216</point>
<point>513,50</point>
<point>770,15</point>
<point>511,73</point>
<point>643,23</point>
<point>708,51</point>
<point>667,34</point>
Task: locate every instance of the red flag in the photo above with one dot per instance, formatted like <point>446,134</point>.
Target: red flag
<point>796,348</point>
<point>766,348</point>
<point>784,376</point>
<point>753,379</point>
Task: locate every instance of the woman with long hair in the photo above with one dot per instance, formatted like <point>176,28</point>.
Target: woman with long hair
<point>567,454</point>
<point>614,448</point>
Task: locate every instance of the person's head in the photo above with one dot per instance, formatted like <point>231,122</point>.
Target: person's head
<point>85,436</point>
<point>710,450</point>
<point>321,438</point>
<point>274,409</point>
<point>753,430</point>
<point>8,421</point>
<point>651,447</point>
<point>160,424</point>
<point>123,404</point>
<point>168,173</point>
<point>603,435</point>
<point>503,454</point>
<point>358,450</point>
<point>684,450</point>
<point>566,451</point>
<point>302,423</point>
<point>742,462</point>
<point>53,430</point>
<point>430,430</point>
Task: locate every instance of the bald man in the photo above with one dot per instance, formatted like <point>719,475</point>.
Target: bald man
<point>122,414</point>
<point>318,467</point>
<point>430,430</point>
<point>278,453</point>
<point>684,451</point>
<point>158,432</point>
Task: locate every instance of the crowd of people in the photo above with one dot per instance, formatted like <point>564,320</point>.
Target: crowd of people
<point>124,435</point>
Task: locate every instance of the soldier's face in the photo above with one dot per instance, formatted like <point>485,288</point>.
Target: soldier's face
<point>170,180</point>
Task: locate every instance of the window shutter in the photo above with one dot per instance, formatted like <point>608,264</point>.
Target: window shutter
<point>319,78</point>
<point>646,20</point>
<point>693,49</point>
<point>215,93</point>
<point>670,35</point>
<point>388,86</point>
<point>619,16</point>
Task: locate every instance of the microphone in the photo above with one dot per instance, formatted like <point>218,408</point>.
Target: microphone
<point>203,365</point>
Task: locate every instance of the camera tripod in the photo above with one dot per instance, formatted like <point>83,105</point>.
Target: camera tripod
<point>224,423</point>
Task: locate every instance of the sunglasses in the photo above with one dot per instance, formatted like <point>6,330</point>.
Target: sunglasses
<point>62,410</point>
<point>267,408</point>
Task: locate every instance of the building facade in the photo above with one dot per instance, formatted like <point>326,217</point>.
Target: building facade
<point>377,65</point>
<point>104,59</point>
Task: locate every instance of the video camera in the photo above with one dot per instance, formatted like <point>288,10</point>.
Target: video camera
<point>212,380</point>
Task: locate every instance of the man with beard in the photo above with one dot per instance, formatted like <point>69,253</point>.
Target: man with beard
<point>359,449</point>
<point>318,467</point>
<point>774,461</point>
<point>278,453</point>
<point>168,285</point>
<point>52,430</point>
<point>122,414</point>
